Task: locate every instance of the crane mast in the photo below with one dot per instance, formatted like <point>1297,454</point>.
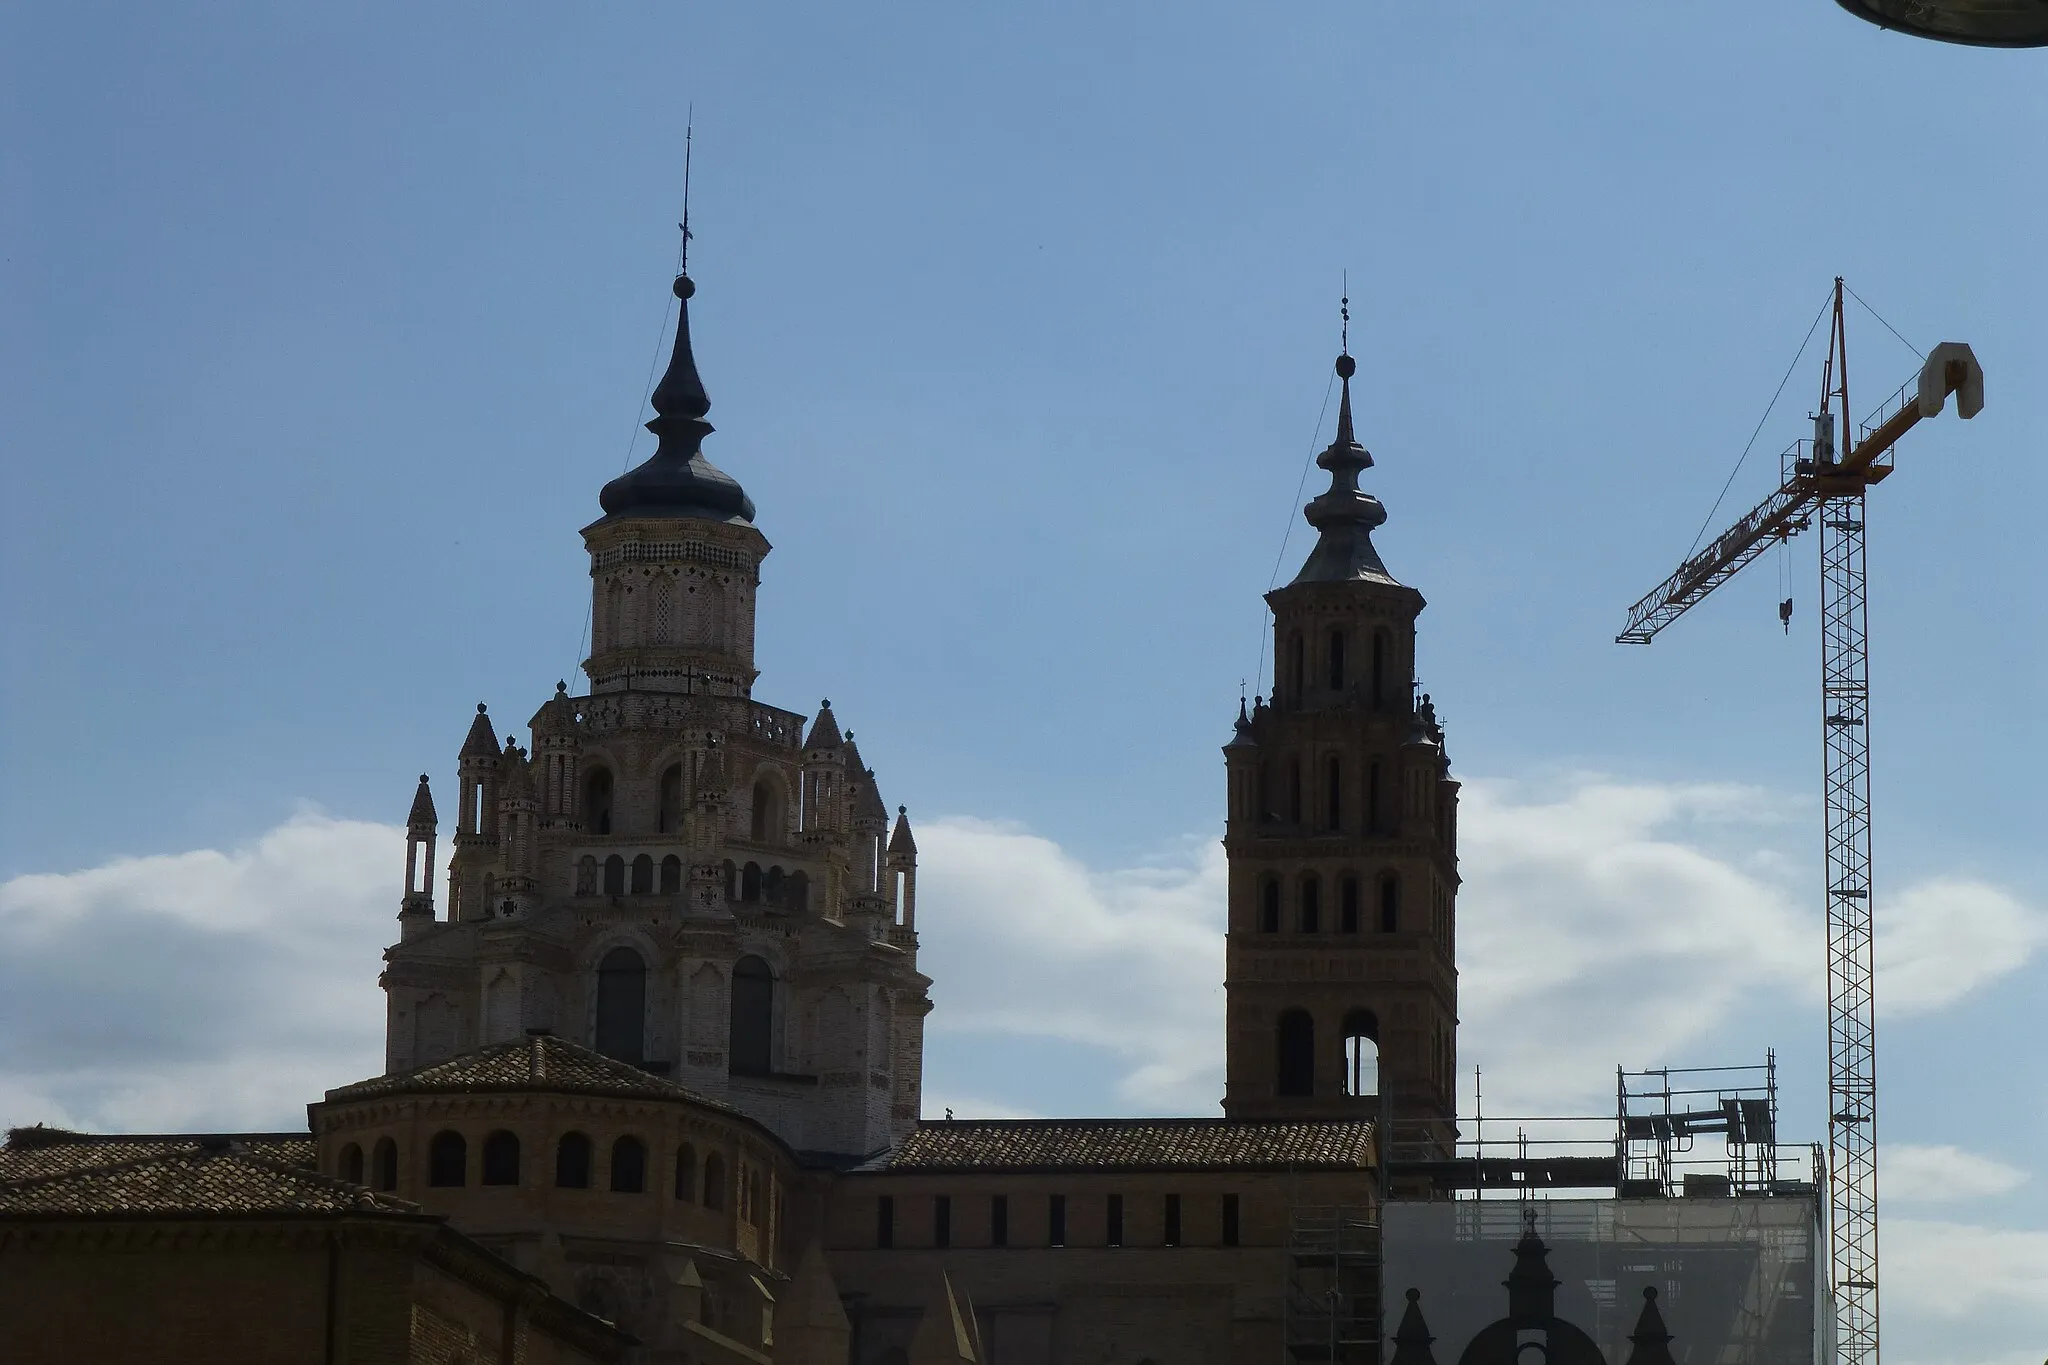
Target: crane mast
<point>1820,484</point>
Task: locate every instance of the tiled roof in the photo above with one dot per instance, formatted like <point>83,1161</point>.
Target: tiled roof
<point>32,1152</point>
<point>536,1062</point>
<point>1129,1144</point>
<point>205,1176</point>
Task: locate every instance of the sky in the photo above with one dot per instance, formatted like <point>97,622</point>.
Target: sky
<point>320,328</point>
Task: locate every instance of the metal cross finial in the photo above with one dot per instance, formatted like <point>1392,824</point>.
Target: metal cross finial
<point>1344,313</point>
<point>689,130</point>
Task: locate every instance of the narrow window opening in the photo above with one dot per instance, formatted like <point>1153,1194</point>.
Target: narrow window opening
<point>1390,904</point>
<point>622,1005</point>
<point>668,817</point>
<point>1113,1223</point>
<point>1269,906</point>
<point>1372,799</point>
<point>1347,905</point>
<point>1294,790</point>
<point>448,1160</point>
<point>1311,904</point>
<point>1361,1053</point>
<point>1296,1074</point>
<point>686,1172</point>
<point>753,1016</point>
<point>1379,670</point>
<point>942,1220</point>
<point>750,883</point>
<point>767,821</point>
<point>1336,661</point>
<point>615,876</point>
<point>501,1159</point>
<point>1230,1220</point>
<point>385,1160</point>
<point>572,1162</point>
<point>643,875</point>
<point>1333,815</point>
<point>885,1222</point>
<point>629,1166</point>
<point>1171,1234</point>
<point>597,801</point>
<point>1297,666</point>
<point>671,875</point>
<point>714,1182</point>
<point>1056,1220</point>
<point>999,1220</point>
<point>352,1164</point>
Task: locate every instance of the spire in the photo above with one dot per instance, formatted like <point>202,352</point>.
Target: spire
<point>676,480</point>
<point>825,729</point>
<point>1241,736</point>
<point>1412,1338</point>
<point>482,740</point>
<point>1343,516</point>
<point>422,815</point>
<point>1652,1341</point>
<point>900,842</point>
<point>1532,1289</point>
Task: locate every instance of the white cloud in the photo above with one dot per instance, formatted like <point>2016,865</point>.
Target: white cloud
<point>1929,1175</point>
<point>1022,939</point>
<point>1957,1270</point>
<point>204,989</point>
<point>1939,940</point>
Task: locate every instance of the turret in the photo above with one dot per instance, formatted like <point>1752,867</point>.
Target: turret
<point>557,746</point>
<point>513,889</point>
<point>416,911</point>
<point>901,872</point>
<point>476,820</point>
<point>868,819</point>
<point>824,774</point>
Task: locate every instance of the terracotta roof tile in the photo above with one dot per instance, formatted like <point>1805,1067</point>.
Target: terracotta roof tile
<point>206,1176</point>
<point>32,1152</point>
<point>537,1062</point>
<point>1129,1144</point>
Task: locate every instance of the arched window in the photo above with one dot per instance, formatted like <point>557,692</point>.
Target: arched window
<point>1269,906</point>
<point>754,1200</point>
<point>1372,798</point>
<point>1336,661</point>
<point>385,1159</point>
<point>615,876</point>
<point>1311,904</point>
<point>773,885</point>
<point>753,1016</point>
<point>750,882</point>
<point>668,818</point>
<point>629,1166</point>
<point>586,876</point>
<point>671,875</point>
<point>622,1005</point>
<point>643,875</point>
<point>767,825</point>
<point>732,881</point>
<point>1333,811</point>
<point>686,1172</point>
<point>352,1164</point>
<point>1347,904</point>
<point>1294,790</point>
<point>572,1162</point>
<point>1361,1053</point>
<point>1297,1040</point>
<point>597,801</point>
<point>714,1181</point>
<point>1390,903</point>
<point>447,1160</point>
<point>799,891</point>
<point>1379,670</point>
<point>501,1158</point>
<point>1297,666</point>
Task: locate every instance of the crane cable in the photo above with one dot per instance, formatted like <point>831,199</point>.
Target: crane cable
<point>1701,534</point>
<point>1287,533</point>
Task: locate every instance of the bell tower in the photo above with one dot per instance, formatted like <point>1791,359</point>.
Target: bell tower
<point>1342,842</point>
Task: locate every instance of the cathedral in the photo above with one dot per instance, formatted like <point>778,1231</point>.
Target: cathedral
<point>653,1059</point>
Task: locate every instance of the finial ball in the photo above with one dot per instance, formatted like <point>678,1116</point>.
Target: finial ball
<point>1346,367</point>
<point>1414,1295</point>
<point>684,287</point>
<point>481,708</point>
<point>423,779</point>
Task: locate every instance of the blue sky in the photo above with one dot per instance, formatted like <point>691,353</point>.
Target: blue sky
<point>322,326</point>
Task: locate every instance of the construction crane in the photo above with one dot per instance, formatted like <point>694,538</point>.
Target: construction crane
<point>1819,482</point>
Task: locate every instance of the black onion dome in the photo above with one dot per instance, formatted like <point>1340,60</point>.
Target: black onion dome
<point>676,480</point>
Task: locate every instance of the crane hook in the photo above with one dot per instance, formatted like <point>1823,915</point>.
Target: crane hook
<point>1785,615</point>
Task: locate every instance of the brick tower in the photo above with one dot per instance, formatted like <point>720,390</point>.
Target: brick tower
<point>1342,839</point>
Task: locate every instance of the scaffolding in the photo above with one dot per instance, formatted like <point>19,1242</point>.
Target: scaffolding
<point>1332,1309</point>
